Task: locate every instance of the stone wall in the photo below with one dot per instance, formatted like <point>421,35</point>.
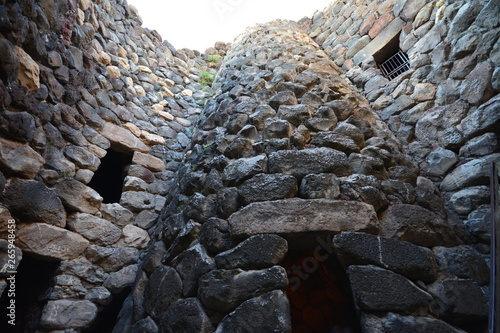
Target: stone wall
<point>445,109</point>
<point>81,82</point>
<point>286,155</point>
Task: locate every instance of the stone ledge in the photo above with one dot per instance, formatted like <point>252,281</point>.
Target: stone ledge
<point>292,216</point>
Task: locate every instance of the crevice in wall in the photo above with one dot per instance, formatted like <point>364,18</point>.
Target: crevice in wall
<point>107,318</point>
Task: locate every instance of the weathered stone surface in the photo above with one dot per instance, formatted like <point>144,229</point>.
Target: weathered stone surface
<point>122,138</point>
<point>148,161</point>
<point>224,290</point>
<point>84,269</point>
<point>29,72</point>
<point>283,98</point>
<point>414,262</point>
<point>336,141</point>
<point>111,259</point>
<point>19,126</point>
<point>266,187</point>
<point>300,163</point>
<point>475,172</point>
<point>67,287</point>
<point>100,295</point>
<point>371,292</point>
<point>190,265</point>
<point>484,118</point>
<point>78,197</point>
<point>441,161</point>
<point>19,159</point>
<point>125,277</point>
<point>477,85</point>
<point>478,224</point>
<point>133,236</point>
<point>483,145</point>
<point>137,201</point>
<point>186,315</point>
<point>215,235</point>
<point>116,214</point>
<point>464,262</point>
<point>200,208</point>
<point>460,301</point>
<point>163,288</point>
<point>300,216</point>
<point>95,229</point>
<point>82,157</point>
<point>240,170</point>
<point>267,313</point>
<point>393,323</point>
<point>44,205</point>
<point>64,314</point>
<point>256,252</point>
<point>295,114</point>
<point>416,225</point>
<point>468,199</point>
<point>320,186</point>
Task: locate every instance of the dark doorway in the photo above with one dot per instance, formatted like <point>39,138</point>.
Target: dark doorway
<point>108,179</point>
<point>33,279</point>
<point>319,294</point>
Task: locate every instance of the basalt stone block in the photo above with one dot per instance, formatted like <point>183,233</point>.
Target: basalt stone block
<point>215,235</point>
<point>44,204</point>
<point>485,118</point>
<point>111,259</point>
<point>277,129</point>
<point>78,197</point>
<point>394,323</point>
<point>464,262</point>
<point>295,114</point>
<point>293,216</point>
<point>200,208</point>
<point>224,290</point>
<point>19,159</point>
<point>336,141</point>
<point>121,279</point>
<point>95,229</point>
<point>19,126</point>
<point>259,251</point>
<point>416,225</point>
<point>320,186</point>
<point>63,314</point>
<point>267,187</point>
<point>123,139</point>
<point>475,172</point>
<point>282,98</point>
<point>243,168</point>
<point>163,288</point>
<point>299,163</point>
<point>267,313</point>
<point>411,261</point>
<point>186,236</point>
<point>186,315</point>
<point>190,265</point>
<point>377,289</point>
<point>460,301</point>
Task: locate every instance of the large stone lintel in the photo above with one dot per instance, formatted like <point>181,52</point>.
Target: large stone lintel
<point>295,216</point>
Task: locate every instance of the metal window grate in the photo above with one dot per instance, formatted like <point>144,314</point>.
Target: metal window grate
<point>395,65</point>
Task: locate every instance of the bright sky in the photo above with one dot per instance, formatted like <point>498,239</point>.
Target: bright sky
<point>198,24</point>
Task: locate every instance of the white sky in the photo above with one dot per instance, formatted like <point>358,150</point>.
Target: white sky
<point>198,24</point>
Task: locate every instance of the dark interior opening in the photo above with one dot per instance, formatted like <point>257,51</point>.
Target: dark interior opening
<point>33,279</point>
<point>108,179</point>
<point>106,319</point>
<point>391,60</point>
<point>319,293</point>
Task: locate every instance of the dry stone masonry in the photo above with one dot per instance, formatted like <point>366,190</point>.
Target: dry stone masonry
<point>301,191</point>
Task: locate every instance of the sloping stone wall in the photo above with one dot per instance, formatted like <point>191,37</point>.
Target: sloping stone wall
<point>445,109</point>
<point>286,154</point>
<point>80,79</point>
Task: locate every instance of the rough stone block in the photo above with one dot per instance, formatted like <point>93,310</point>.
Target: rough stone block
<point>63,314</point>
<point>294,216</point>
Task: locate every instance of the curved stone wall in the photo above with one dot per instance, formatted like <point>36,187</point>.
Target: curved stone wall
<point>285,156</point>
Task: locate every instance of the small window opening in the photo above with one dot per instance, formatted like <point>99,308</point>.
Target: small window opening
<point>391,60</point>
<point>109,177</point>
<point>32,281</point>
<point>319,293</point>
